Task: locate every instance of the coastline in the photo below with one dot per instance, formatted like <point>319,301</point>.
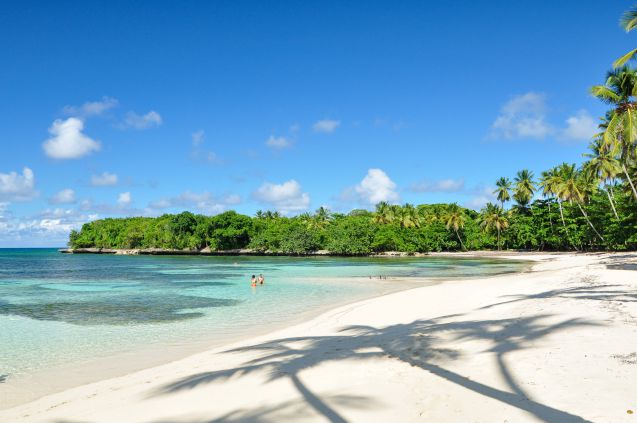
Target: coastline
<point>120,364</point>
<point>318,253</point>
<point>390,320</point>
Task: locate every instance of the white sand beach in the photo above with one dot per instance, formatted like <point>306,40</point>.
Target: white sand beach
<point>557,344</point>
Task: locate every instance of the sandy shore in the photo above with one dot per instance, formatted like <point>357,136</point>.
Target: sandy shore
<point>558,344</point>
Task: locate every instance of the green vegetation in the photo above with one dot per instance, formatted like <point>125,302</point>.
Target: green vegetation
<point>590,207</point>
<point>575,214</point>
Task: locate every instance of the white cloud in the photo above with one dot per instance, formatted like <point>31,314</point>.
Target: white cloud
<point>287,197</point>
<point>326,126</point>
<point>46,228</point>
<point>104,180</point>
<point>278,143</point>
<point>199,153</point>
<point>197,137</point>
<point>149,120</point>
<point>92,108</point>
<point>68,141</point>
<point>18,187</point>
<point>443,185</point>
<point>481,196</point>
<point>124,199</point>
<point>375,187</point>
<point>232,199</point>
<point>522,117</point>
<point>581,126</point>
<point>204,202</point>
<point>66,196</point>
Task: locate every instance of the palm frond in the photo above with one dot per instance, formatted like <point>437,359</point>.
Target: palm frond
<point>628,20</point>
<point>605,94</point>
<point>625,58</point>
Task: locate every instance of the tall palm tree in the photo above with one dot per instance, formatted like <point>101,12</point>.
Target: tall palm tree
<point>409,217</point>
<point>503,190</point>
<point>384,213</point>
<point>619,126</point>
<point>544,185</point>
<point>573,188</point>
<point>628,21</point>
<point>494,217</point>
<point>455,219</point>
<point>550,183</point>
<point>603,166</point>
<point>427,216</point>
<point>321,218</point>
<point>271,215</point>
<point>524,187</point>
<point>322,213</point>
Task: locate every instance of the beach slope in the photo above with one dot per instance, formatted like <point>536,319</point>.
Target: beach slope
<point>557,344</point>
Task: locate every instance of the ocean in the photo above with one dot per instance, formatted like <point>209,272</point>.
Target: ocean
<point>63,314</point>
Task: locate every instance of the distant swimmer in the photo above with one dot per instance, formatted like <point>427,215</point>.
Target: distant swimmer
<point>261,279</point>
<point>253,281</point>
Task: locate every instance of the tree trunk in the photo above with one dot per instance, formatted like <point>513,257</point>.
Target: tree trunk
<point>562,214</point>
<point>612,204</point>
<point>568,236</point>
<point>460,239</point>
<point>498,239</point>
<point>589,221</point>
<point>630,181</point>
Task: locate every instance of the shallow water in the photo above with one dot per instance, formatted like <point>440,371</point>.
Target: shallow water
<point>57,309</point>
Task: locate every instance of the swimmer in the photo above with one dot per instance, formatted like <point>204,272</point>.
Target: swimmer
<point>261,279</point>
<point>253,281</point>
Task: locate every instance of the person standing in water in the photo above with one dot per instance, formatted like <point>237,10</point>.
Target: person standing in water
<point>253,281</point>
<point>261,279</point>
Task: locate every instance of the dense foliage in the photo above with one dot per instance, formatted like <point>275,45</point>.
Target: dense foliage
<point>591,207</point>
<point>434,227</point>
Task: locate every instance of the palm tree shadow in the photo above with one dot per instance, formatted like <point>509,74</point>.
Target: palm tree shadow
<point>291,410</point>
<point>621,262</point>
<point>417,343</point>
<point>607,292</point>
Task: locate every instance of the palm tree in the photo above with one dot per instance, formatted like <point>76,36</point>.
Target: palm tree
<point>271,215</point>
<point>503,190</point>
<point>322,214</point>
<point>384,213</point>
<point>550,183</point>
<point>524,187</point>
<point>306,218</point>
<point>321,218</point>
<point>427,216</point>
<point>628,21</point>
<point>603,166</point>
<point>455,218</point>
<point>494,217</point>
<point>408,216</point>
<point>573,188</point>
<point>619,126</point>
<point>547,191</point>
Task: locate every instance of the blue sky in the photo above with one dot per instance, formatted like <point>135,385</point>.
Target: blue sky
<point>143,108</point>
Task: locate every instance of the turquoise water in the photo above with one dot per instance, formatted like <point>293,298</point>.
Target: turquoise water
<point>57,309</point>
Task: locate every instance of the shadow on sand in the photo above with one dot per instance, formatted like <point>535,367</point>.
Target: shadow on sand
<point>417,344</point>
<point>621,262</point>
<point>606,292</point>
